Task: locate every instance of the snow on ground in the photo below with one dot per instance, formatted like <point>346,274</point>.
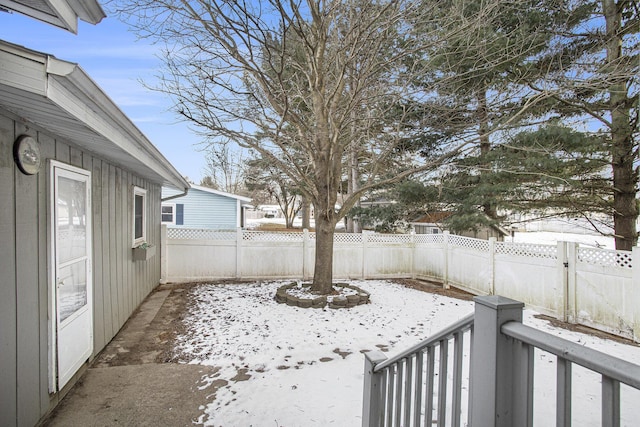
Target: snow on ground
<point>305,365</point>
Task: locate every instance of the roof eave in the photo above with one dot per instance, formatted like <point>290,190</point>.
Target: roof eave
<point>221,193</point>
<point>71,95</point>
<point>89,11</point>
<point>125,135</point>
<point>63,13</point>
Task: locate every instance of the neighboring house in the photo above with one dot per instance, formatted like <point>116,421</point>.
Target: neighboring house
<point>80,187</point>
<point>271,211</point>
<point>433,223</point>
<point>203,207</point>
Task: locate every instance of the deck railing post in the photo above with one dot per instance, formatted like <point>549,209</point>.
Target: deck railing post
<point>372,403</point>
<point>492,362</point>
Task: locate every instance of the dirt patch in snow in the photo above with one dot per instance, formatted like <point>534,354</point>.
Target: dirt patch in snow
<point>586,330</point>
<point>434,288</point>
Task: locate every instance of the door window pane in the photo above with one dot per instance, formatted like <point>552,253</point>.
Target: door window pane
<point>72,289</point>
<point>71,217</point>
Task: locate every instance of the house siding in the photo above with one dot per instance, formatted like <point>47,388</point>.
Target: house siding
<point>484,233</point>
<point>119,284</point>
<point>206,210</point>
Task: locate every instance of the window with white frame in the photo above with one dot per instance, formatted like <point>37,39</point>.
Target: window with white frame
<point>169,213</point>
<point>139,216</point>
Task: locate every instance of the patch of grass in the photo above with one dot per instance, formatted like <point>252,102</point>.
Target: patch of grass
<point>278,227</point>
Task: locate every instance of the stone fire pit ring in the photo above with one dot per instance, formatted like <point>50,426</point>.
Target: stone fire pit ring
<point>299,295</point>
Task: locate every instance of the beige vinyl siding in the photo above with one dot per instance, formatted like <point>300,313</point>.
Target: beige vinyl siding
<point>119,283</point>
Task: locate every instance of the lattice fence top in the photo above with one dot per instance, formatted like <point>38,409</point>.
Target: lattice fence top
<point>72,233</point>
<point>346,238</point>
<point>469,243</point>
<point>592,256</point>
<point>267,236</point>
<point>389,238</point>
<point>605,257</point>
<point>429,238</point>
<point>200,234</point>
<point>527,250</point>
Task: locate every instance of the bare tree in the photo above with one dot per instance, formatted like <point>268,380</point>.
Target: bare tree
<point>226,167</point>
<point>325,78</point>
<point>207,181</point>
<point>262,177</point>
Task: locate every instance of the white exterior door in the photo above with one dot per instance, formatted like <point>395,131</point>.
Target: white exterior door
<point>72,335</point>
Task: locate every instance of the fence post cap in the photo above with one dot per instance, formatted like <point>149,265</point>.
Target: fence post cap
<point>498,302</point>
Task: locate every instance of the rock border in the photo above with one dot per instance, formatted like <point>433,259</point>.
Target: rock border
<point>320,301</point>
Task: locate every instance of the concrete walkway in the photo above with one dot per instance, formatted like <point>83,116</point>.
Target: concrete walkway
<point>130,385</point>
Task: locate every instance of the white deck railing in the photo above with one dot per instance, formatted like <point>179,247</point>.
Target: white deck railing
<point>403,391</point>
<point>613,372</point>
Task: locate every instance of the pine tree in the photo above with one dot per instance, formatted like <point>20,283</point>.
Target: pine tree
<point>594,65</point>
<point>478,96</point>
<point>550,171</point>
<point>537,63</point>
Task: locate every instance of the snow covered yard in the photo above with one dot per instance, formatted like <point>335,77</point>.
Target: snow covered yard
<point>286,366</point>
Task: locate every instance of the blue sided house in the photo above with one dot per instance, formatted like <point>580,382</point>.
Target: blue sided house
<point>203,207</point>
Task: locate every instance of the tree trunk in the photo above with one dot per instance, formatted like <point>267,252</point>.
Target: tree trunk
<point>306,214</point>
<point>489,206</point>
<point>290,215</point>
<point>353,225</point>
<point>285,206</point>
<point>625,209</point>
<point>324,203</point>
<point>323,273</point>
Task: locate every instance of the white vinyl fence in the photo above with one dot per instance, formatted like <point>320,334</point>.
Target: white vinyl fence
<point>595,287</point>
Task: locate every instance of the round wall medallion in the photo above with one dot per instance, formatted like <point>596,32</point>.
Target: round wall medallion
<point>26,153</point>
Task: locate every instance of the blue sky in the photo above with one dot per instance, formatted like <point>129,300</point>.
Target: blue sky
<point>116,61</point>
